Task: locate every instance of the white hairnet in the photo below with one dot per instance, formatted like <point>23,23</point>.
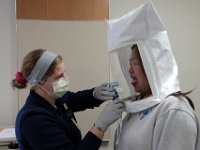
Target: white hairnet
<point>41,67</point>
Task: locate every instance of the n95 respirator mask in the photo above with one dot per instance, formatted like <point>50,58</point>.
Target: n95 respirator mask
<point>60,87</point>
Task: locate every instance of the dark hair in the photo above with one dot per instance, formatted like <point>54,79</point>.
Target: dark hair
<point>178,94</point>
<point>28,64</point>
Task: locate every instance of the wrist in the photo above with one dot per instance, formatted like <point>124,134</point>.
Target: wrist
<point>97,132</point>
<point>93,93</point>
<point>100,127</point>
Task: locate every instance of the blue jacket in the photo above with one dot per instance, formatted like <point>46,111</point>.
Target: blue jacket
<point>40,126</point>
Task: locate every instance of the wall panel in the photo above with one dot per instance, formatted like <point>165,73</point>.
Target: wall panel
<point>62,9</point>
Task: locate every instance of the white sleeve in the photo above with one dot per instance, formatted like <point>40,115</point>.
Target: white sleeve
<point>176,130</point>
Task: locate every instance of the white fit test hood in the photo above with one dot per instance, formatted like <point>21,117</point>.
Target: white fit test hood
<point>143,27</point>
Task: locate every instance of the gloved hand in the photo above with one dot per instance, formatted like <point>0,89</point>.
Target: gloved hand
<point>103,92</point>
<point>111,113</point>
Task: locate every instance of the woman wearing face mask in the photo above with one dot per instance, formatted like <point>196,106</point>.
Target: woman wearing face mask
<point>46,121</point>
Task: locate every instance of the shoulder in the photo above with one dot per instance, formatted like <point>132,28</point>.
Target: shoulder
<point>175,119</point>
<point>174,113</point>
<point>33,114</point>
<point>172,104</point>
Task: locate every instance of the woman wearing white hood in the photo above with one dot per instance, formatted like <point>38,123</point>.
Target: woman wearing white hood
<point>159,116</point>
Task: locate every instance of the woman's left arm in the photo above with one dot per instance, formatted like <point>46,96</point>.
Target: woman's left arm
<point>176,130</point>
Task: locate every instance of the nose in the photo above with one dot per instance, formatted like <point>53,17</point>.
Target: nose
<point>131,70</point>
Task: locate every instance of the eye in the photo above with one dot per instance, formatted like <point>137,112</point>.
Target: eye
<point>58,77</point>
<point>134,61</point>
<point>63,75</point>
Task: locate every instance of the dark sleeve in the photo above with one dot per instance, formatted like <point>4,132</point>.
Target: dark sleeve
<point>81,100</point>
<point>43,132</point>
<point>90,142</point>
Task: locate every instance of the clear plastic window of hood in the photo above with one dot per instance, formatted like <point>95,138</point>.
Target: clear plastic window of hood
<point>119,71</point>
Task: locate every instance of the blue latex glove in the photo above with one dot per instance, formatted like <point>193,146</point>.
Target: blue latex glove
<point>104,92</point>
